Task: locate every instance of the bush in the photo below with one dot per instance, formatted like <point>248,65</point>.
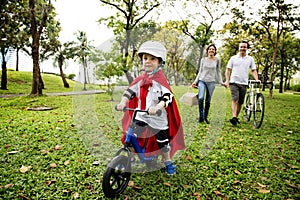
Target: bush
<point>71,76</point>
<point>295,88</point>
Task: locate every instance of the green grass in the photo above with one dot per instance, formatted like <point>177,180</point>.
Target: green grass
<point>59,146</point>
<point>20,83</point>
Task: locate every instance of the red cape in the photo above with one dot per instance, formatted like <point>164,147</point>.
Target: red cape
<point>174,120</point>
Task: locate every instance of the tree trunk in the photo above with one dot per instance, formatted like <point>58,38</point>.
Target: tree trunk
<point>60,65</point>
<point>4,71</point>
<point>17,59</point>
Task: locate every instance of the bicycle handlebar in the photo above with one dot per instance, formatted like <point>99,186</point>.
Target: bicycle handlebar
<point>254,82</point>
<point>158,113</point>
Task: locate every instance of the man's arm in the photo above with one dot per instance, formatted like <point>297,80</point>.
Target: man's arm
<point>227,76</point>
<point>255,75</point>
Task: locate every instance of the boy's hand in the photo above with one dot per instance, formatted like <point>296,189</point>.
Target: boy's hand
<point>153,109</point>
<point>120,106</point>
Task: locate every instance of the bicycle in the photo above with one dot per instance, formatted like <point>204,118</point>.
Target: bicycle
<point>117,174</point>
<point>254,103</point>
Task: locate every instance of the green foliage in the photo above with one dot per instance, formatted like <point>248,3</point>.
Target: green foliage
<point>295,88</point>
<point>45,156</point>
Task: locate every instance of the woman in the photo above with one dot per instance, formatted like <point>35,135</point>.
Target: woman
<point>209,74</point>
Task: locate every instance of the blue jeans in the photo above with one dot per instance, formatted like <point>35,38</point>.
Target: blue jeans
<point>207,89</point>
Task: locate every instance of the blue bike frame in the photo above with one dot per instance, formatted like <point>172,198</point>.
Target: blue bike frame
<point>131,138</point>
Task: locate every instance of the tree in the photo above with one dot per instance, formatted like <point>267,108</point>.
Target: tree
<point>9,27</point>
<point>62,54</point>
<point>80,51</point>
<point>38,19</point>
<point>128,15</point>
<point>199,26</point>
<point>277,15</point>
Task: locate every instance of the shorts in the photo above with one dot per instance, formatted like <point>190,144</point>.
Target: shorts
<point>238,92</point>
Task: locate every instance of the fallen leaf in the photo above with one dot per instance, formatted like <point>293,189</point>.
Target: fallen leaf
<point>66,162</point>
<point>130,183</point>
<point>261,185</point>
<point>57,147</point>
<point>236,182</point>
<point>43,151</point>
<point>53,165</point>
<point>197,195</point>
<point>13,152</point>
<point>96,163</point>
<point>188,157</point>
<point>167,184</point>
<point>9,185</point>
<point>237,172</point>
<point>76,195</point>
<point>6,146</point>
<point>24,169</point>
<point>263,191</point>
<point>263,178</point>
<point>49,182</point>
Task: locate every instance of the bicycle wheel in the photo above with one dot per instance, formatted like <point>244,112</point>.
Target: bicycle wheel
<point>116,176</point>
<point>259,110</point>
<point>247,109</point>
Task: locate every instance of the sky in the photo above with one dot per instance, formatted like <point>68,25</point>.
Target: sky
<point>75,15</point>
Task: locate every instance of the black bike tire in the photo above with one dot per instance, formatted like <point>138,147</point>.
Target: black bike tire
<point>247,116</point>
<point>258,123</point>
<point>122,177</point>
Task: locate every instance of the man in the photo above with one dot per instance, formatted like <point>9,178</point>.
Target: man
<point>237,79</point>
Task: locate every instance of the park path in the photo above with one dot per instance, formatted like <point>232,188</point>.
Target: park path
<point>57,93</point>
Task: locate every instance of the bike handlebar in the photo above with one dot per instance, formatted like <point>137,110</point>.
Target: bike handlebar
<point>158,113</point>
<point>254,82</point>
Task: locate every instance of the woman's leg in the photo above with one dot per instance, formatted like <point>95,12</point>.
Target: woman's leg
<point>201,92</point>
<point>210,90</point>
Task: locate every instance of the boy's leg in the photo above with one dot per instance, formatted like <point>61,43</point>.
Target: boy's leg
<point>164,145</point>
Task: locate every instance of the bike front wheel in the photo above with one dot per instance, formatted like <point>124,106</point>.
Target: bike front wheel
<point>116,176</point>
<point>259,110</point>
<point>247,109</point>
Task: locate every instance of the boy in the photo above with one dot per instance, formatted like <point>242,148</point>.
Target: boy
<point>151,91</point>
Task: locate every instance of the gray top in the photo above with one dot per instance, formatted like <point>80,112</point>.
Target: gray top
<point>209,70</point>
<point>239,68</point>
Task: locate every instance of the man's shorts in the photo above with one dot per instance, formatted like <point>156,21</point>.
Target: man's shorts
<point>238,92</point>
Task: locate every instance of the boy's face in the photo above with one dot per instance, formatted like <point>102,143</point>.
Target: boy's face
<point>150,62</point>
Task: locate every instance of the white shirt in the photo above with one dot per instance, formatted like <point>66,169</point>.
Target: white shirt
<point>157,90</point>
<point>239,68</point>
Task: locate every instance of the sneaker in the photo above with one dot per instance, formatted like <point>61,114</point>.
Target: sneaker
<point>237,121</point>
<point>206,120</point>
<point>200,120</point>
<point>170,168</point>
<point>234,121</point>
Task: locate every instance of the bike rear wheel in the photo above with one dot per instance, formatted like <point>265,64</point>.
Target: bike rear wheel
<point>247,108</point>
<point>259,110</point>
<point>116,176</point>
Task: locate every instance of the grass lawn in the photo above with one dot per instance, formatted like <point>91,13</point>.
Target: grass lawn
<point>51,154</point>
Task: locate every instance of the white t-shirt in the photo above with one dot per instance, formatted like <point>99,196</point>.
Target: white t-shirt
<point>157,90</point>
<point>239,68</point>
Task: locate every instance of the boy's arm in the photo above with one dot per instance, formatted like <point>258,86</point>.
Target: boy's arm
<point>164,101</point>
<point>127,95</point>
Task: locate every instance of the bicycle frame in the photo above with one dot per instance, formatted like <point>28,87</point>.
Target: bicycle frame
<point>252,94</point>
<point>131,139</point>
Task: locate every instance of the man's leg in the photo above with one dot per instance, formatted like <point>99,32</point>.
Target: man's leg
<point>235,106</point>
